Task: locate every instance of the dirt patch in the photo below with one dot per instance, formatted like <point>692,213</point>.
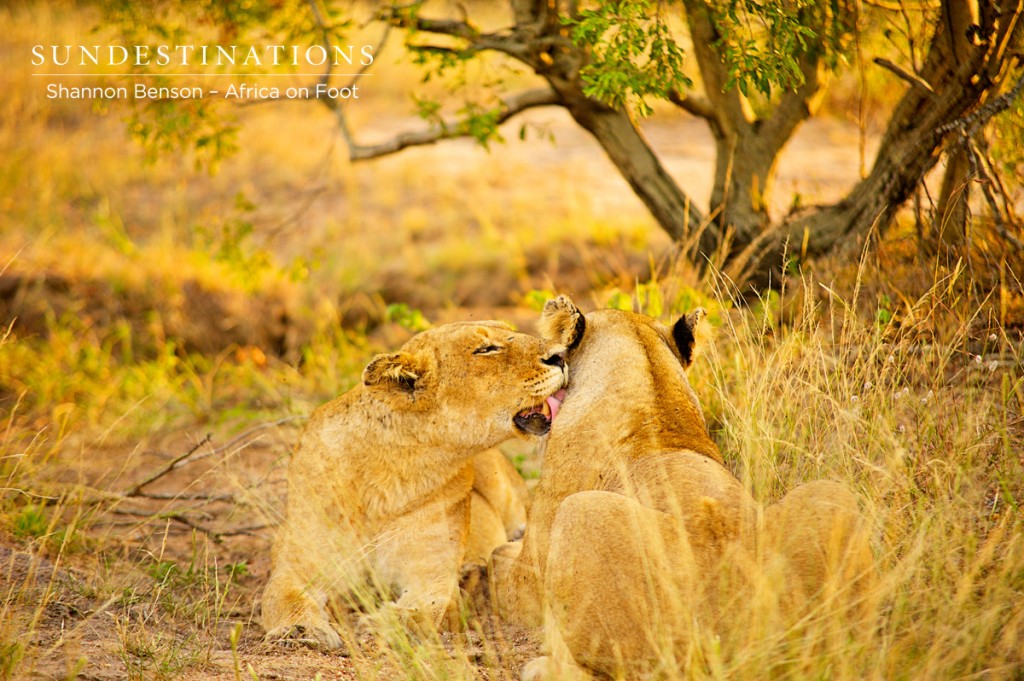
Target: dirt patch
<point>164,580</point>
<point>82,624</point>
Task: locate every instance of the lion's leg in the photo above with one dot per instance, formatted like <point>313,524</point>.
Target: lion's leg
<point>514,580</point>
<point>498,510</point>
<point>486,530</point>
<point>620,582</point>
<point>294,604</point>
<point>819,531</point>
<point>293,612</point>
<point>558,664</point>
<point>422,557</point>
<point>516,569</point>
<point>499,483</point>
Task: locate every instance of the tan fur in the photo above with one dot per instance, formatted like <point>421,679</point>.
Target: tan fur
<point>388,488</point>
<point>637,531</point>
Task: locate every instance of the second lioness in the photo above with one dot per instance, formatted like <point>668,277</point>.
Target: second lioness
<point>640,542</point>
<point>383,485</point>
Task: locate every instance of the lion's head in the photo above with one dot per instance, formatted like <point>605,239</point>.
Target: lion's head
<point>471,376</point>
<point>635,362</point>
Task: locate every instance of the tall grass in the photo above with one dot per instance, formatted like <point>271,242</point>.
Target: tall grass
<point>921,415</point>
<point>918,410</point>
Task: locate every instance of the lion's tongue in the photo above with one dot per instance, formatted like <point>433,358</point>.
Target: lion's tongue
<point>549,410</point>
<point>555,403</point>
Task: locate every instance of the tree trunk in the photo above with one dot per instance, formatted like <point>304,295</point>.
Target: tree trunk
<point>540,27</point>
<point>949,226</point>
<point>909,148</point>
<point>633,157</point>
<point>747,147</point>
<point>959,72</point>
<point>742,165</point>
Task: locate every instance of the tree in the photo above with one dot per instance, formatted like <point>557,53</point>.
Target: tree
<point>762,65</point>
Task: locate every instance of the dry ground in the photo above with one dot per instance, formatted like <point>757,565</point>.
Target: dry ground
<point>169,587</point>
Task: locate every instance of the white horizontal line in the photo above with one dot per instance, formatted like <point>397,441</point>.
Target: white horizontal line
<point>201,75</point>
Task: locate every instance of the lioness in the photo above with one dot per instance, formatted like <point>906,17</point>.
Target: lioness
<point>384,485</point>
<point>636,529</point>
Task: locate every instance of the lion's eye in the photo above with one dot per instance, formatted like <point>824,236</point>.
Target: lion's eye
<point>487,350</point>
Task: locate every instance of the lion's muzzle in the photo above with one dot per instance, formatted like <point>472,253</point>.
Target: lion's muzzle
<point>537,420</point>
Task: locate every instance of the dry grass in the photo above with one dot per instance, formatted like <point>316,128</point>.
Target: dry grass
<point>131,349</point>
<point>921,415</point>
<point>904,412</point>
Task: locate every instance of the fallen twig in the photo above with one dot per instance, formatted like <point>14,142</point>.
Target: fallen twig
<point>245,531</point>
<point>170,466</point>
<point>175,516</point>
<point>191,455</point>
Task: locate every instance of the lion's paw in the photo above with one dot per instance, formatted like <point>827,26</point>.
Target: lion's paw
<point>319,636</point>
<point>473,583</point>
<point>392,619</point>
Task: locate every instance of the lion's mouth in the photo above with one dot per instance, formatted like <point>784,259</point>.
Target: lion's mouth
<point>537,420</point>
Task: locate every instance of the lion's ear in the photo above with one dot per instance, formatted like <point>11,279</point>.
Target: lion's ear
<point>399,370</point>
<point>561,321</point>
<point>688,332</point>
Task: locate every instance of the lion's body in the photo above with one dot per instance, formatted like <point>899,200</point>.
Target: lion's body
<point>636,529</point>
<point>388,489</point>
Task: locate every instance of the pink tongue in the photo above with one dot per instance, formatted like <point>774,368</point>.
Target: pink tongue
<point>555,403</point>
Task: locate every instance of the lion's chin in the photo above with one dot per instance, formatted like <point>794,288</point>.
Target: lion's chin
<point>537,420</point>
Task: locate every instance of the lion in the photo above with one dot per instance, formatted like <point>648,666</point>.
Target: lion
<point>636,529</point>
<point>393,486</point>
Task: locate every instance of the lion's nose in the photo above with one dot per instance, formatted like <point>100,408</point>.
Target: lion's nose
<point>555,360</point>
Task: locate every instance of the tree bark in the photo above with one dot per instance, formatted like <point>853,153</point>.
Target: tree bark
<point>741,164</point>
<point>910,147</point>
<point>616,132</point>
<point>747,147</point>
<point>949,225</point>
<point>950,222</point>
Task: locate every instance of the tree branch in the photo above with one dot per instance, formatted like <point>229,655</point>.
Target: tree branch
<point>476,41</point>
<point>191,455</point>
<point>325,37</point>
<point>176,516</point>
<point>727,105</point>
<point>912,78</point>
<point>968,124</point>
<point>452,27</point>
<point>174,463</point>
<point>509,107</point>
<point>694,105</point>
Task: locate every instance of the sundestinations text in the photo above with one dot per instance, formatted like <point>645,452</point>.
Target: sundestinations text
<point>201,55</point>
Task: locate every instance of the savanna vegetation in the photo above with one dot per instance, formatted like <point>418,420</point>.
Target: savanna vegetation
<point>170,313</point>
